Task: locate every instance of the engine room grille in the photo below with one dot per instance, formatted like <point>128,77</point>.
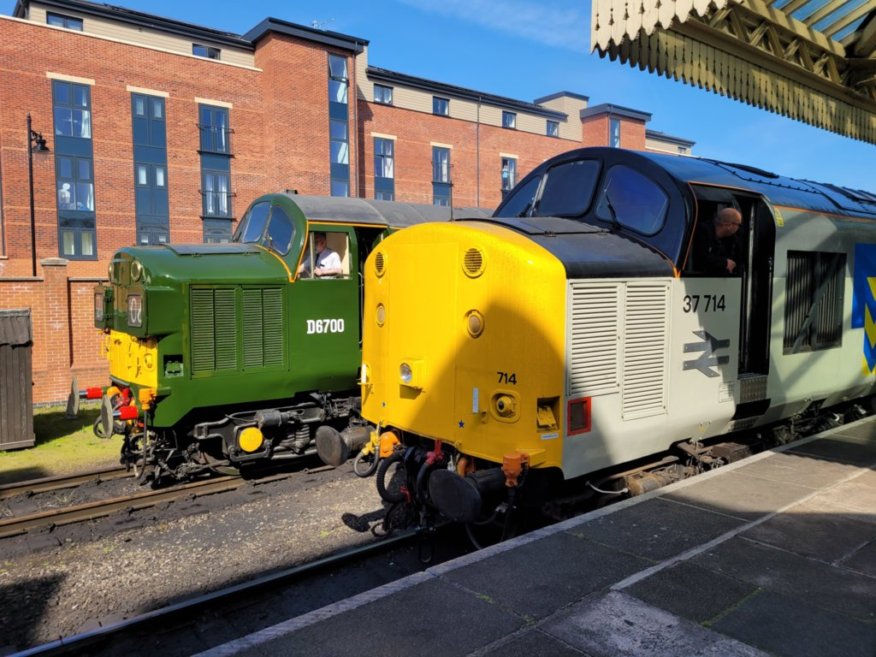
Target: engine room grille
<point>262,327</point>
<point>216,315</point>
<point>593,338</point>
<point>645,349</point>
<point>214,329</point>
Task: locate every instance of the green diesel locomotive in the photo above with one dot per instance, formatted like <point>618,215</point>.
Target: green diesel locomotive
<point>224,355</point>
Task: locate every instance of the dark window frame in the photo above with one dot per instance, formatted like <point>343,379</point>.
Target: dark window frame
<point>509,174</point>
<point>385,95</point>
<point>440,106</point>
<point>215,136</point>
<point>509,120</point>
<point>384,186</point>
<point>207,52</point>
<point>614,132</point>
<point>214,194</point>
<point>78,226</point>
<point>552,128</point>
<point>151,199</point>
<point>66,21</point>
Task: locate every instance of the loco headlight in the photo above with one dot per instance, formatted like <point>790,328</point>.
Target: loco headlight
<point>98,306</point>
<point>135,310</point>
<point>406,374</point>
<point>136,270</point>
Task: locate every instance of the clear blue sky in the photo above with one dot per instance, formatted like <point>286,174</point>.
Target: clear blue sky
<point>525,49</point>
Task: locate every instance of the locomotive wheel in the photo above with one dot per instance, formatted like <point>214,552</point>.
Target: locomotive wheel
<point>391,477</point>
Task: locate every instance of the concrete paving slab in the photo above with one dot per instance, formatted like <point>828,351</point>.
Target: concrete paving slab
<point>786,626</point>
<point>692,592</point>
<point>857,494</point>
<point>412,622</point>
<point>830,587</point>
<point>533,643</point>
<point>542,576</point>
<point>797,468</point>
<point>863,432</point>
<point>862,560</point>
<point>835,448</point>
<point>619,625</point>
<point>739,495</point>
<point>813,529</point>
<point>657,529</point>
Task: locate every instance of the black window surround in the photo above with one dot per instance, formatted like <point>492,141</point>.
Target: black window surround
<point>208,52</point>
<point>74,171</point>
<point>63,20</point>
<point>214,127</point>
<point>552,128</point>
<point>382,94</point>
<point>509,120</point>
<point>440,106</point>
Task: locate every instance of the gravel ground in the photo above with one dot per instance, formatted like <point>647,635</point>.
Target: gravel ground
<point>96,577</point>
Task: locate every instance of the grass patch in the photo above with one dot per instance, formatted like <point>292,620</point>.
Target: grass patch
<point>63,445</point>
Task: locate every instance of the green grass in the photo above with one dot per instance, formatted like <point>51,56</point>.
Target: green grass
<point>63,445</point>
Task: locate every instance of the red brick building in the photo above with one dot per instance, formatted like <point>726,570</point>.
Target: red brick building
<point>147,130</point>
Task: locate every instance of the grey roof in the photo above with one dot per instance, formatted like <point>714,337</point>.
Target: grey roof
<point>140,19</point>
<point>380,213</point>
<point>325,37</point>
<point>392,77</point>
<point>615,110</point>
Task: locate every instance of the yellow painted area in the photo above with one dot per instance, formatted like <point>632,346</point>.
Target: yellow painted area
<point>250,439</point>
<point>131,359</point>
<point>477,391</point>
<point>869,326</point>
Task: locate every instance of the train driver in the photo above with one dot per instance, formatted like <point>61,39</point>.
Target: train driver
<point>716,249</point>
<point>328,262</point>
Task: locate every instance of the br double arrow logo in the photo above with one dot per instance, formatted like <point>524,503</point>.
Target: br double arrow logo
<point>708,359</point>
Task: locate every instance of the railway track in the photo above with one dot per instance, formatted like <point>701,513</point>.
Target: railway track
<point>19,525</point>
<point>48,484</point>
<point>176,618</point>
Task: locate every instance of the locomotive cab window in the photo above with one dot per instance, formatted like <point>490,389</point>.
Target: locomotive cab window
<point>252,226</point>
<point>632,200</point>
<point>568,189</point>
<point>280,231</point>
<point>327,256</point>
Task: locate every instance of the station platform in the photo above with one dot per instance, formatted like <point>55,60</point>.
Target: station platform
<point>773,555</point>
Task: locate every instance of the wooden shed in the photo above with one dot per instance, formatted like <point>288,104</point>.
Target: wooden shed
<point>16,380</point>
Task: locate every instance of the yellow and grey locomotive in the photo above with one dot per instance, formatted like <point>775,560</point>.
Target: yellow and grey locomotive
<point>582,332</point>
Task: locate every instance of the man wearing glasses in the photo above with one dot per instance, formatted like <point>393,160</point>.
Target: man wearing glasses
<point>715,244</point>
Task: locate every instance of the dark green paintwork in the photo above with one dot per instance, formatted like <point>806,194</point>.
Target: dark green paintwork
<point>321,362</point>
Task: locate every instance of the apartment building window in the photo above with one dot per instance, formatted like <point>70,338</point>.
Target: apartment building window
<point>150,169</point>
<point>441,185</point>
<point>614,133</point>
<point>384,169</point>
<point>553,128</point>
<point>509,120</point>
<point>74,170</point>
<point>215,133</point>
<point>339,135</point>
<point>200,50</point>
<point>382,94</point>
<point>62,20</point>
<point>509,174</point>
<point>216,194</point>
<point>440,106</point>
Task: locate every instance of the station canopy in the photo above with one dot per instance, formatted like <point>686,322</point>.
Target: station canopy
<point>811,60</point>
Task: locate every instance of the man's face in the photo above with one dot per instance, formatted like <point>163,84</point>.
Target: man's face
<point>320,244</point>
<point>729,227</point>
